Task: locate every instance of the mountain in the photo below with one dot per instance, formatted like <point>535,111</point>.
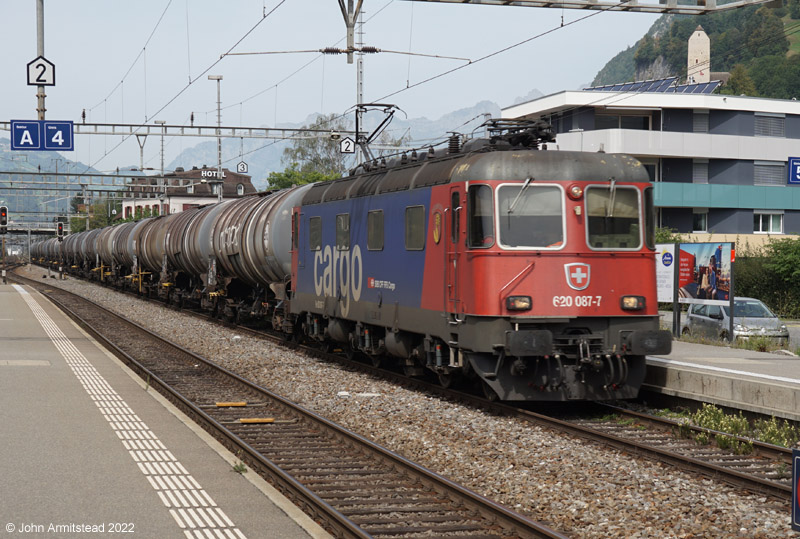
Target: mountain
<point>757,45</point>
<point>16,189</point>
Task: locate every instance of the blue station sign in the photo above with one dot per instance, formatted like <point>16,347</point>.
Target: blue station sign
<point>794,170</point>
<point>47,135</point>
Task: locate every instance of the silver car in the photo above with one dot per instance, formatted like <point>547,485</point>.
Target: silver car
<point>751,318</point>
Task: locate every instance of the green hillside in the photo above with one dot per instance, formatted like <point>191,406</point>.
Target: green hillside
<point>759,46</point>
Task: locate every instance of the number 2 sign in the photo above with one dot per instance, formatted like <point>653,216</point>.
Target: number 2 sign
<point>41,72</point>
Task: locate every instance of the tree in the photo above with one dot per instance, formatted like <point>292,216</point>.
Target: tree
<point>740,83</point>
<point>318,154</point>
<point>293,176</point>
<point>667,235</point>
<point>99,214</point>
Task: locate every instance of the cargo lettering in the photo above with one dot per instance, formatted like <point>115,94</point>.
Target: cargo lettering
<point>338,274</point>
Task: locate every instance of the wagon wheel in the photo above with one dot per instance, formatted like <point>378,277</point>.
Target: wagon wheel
<point>448,379</point>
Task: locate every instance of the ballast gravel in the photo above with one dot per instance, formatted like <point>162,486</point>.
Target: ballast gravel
<point>579,488</point>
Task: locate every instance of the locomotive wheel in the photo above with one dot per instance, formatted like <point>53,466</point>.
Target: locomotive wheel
<point>376,360</point>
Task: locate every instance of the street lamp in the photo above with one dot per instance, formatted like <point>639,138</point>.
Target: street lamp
<point>218,78</point>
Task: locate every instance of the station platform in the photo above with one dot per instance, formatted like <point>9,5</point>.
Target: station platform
<point>761,382</point>
<point>88,448</point>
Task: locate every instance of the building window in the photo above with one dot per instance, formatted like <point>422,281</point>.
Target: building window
<point>375,230</point>
<point>700,122</point>
<point>700,220</point>
<point>240,189</point>
<point>770,125</point>
<point>415,228</point>
<point>343,232</point>
<point>767,223</point>
<point>700,171</point>
<point>615,121</point>
<point>769,173</point>
<point>190,189</point>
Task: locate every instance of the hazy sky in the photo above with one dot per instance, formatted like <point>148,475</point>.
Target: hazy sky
<point>118,62</point>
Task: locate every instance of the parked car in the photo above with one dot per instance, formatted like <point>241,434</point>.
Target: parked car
<point>751,318</point>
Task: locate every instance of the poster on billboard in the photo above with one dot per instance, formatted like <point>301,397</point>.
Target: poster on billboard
<point>665,272</point>
<point>704,273</point>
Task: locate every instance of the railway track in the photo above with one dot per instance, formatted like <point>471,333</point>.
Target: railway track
<point>353,487</point>
<point>766,470</point>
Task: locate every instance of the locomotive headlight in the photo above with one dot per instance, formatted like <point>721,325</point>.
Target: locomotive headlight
<point>632,303</point>
<point>518,303</point>
<point>575,192</point>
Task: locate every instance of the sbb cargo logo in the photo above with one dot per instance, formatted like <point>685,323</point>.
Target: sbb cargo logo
<point>338,273</point>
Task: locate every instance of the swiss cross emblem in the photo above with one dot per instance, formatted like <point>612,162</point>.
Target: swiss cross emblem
<point>577,275</point>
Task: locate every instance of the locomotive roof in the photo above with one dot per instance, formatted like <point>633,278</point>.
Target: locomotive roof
<point>508,165</point>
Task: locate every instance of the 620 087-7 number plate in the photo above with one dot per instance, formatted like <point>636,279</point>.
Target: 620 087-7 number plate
<point>576,301</point>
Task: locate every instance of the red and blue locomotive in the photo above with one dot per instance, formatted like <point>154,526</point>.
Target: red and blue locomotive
<point>528,271</point>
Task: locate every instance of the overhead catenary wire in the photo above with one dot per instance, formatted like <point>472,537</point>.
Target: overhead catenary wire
<point>180,92</point>
<point>135,60</point>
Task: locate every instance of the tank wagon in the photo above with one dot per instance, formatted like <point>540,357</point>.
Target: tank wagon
<point>528,271</point>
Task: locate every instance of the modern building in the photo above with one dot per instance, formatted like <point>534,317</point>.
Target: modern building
<point>724,166</point>
<point>183,189</point>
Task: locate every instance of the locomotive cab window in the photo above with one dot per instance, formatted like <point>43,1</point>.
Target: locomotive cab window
<point>415,228</point>
<point>613,217</point>
<point>530,216</point>
<point>375,230</point>
<point>480,225</point>
<point>343,232</point>
<point>314,233</point>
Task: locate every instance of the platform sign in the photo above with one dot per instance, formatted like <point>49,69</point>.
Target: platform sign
<point>795,488</point>
<point>26,135</point>
<point>42,135</point>
<point>794,170</point>
<point>347,145</point>
<point>58,135</point>
<point>41,72</point>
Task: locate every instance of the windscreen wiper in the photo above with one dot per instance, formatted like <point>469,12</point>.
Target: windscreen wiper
<point>524,186</point>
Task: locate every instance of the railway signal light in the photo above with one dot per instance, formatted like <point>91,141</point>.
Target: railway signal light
<point>60,231</point>
<point>3,219</point>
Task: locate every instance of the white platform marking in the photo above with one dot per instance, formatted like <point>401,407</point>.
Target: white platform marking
<point>166,475</point>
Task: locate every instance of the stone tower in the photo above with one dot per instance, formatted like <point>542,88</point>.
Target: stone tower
<point>699,64</point>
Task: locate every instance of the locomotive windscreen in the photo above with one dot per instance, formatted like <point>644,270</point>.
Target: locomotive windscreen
<point>530,216</point>
<point>613,217</point>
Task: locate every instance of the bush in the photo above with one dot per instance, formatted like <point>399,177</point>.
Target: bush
<point>770,273</point>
